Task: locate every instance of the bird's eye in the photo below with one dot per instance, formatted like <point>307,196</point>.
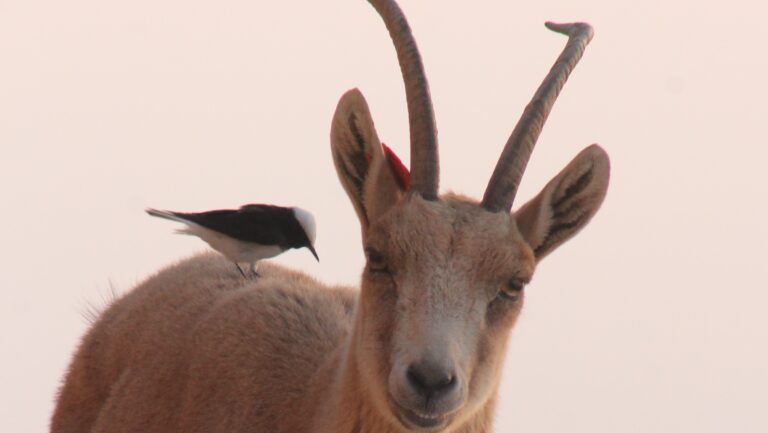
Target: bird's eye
<point>377,263</point>
<point>511,291</point>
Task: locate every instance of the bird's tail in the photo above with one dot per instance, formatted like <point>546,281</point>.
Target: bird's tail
<point>166,214</point>
<point>173,216</point>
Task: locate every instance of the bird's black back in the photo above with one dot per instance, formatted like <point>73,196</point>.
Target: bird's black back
<point>258,223</point>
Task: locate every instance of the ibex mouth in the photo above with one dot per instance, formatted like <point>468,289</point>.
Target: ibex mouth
<point>423,421</point>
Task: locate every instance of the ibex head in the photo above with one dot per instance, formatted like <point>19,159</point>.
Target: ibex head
<point>444,279</point>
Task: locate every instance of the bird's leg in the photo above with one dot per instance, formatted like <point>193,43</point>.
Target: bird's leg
<point>254,265</point>
<point>241,270</point>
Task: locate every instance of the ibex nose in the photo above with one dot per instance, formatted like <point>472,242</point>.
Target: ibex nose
<point>431,381</point>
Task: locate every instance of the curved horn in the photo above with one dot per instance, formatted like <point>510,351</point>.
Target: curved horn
<point>424,159</point>
<point>502,187</point>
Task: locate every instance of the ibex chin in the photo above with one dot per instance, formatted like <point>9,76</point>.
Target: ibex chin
<point>419,347</point>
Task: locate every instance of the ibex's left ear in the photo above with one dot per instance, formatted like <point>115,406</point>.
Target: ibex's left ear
<point>360,161</point>
<point>567,203</point>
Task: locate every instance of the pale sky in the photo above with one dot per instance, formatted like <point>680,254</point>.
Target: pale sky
<point>653,319</point>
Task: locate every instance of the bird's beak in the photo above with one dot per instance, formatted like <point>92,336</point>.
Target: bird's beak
<point>312,249</point>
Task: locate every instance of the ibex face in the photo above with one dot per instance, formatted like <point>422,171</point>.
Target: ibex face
<point>443,284</point>
<point>441,290</point>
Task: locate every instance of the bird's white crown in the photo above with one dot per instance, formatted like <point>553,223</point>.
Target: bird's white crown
<point>307,221</point>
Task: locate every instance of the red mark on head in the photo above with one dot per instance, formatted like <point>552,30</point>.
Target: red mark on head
<point>402,175</point>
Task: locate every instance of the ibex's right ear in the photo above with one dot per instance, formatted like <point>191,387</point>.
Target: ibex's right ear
<point>360,161</point>
<point>567,203</point>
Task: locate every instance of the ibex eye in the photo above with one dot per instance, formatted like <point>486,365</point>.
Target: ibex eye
<point>376,260</point>
<point>373,256</point>
<point>512,289</point>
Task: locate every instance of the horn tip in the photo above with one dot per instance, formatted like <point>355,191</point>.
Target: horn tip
<point>571,29</point>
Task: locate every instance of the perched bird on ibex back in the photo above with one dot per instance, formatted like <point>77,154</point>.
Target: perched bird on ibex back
<point>251,233</point>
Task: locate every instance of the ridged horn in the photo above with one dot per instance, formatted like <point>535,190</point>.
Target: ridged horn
<point>425,170</point>
<point>506,177</point>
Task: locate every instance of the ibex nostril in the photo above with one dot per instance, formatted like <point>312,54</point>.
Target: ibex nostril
<point>448,382</point>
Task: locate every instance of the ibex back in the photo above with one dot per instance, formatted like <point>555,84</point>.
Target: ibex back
<point>419,347</point>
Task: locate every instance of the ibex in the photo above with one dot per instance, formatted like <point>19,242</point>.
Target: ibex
<point>419,347</point>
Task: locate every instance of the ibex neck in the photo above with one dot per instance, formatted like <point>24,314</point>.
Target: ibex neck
<point>343,406</point>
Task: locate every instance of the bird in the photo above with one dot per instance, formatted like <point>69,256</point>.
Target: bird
<point>248,234</point>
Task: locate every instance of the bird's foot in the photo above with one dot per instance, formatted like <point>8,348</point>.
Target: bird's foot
<point>241,271</point>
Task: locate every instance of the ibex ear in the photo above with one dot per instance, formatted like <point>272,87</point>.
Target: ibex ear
<point>360,161</point>
<point>567,203</point>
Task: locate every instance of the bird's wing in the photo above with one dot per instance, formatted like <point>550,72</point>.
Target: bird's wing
<point>252,223</point>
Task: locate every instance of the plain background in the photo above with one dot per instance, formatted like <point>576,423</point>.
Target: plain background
<point>653,319</point>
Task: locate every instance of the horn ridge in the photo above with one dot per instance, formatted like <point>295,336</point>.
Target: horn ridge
<point>425,169</point>
<point>502,187</point>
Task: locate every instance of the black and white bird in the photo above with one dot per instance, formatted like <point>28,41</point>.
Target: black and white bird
<point>251,233</point>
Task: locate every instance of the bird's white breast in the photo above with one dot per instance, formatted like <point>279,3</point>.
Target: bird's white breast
<point>233,249</point>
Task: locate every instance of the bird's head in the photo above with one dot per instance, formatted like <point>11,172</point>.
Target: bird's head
<point>307,222</point>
